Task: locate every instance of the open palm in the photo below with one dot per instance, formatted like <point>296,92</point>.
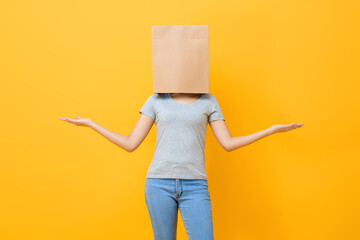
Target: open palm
<point>78,121</point>
<point>285,127</point>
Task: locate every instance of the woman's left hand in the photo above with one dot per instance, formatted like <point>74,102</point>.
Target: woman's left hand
<point>285,127</point>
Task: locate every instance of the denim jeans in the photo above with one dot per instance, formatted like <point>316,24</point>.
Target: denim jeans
<point>164,196</point>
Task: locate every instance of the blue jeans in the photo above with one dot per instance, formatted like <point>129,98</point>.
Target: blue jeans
<point>164,196</point>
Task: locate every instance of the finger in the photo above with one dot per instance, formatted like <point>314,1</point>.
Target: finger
<point>70,120</point>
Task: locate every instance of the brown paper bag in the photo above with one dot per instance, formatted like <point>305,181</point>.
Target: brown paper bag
<point>180,58</point>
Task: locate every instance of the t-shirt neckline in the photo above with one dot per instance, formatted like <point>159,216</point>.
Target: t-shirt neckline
<point>185,104</point>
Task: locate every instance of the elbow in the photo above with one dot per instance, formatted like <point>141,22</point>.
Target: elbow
<point>227,147</point>
<point>133,144</point>
<point>130,149</point>
<point>130,145</point>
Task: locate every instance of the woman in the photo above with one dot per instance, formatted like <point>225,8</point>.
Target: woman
<point>176,178</point>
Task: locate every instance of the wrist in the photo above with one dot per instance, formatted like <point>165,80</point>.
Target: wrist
<point>91,124</point>
<point>270,131</point>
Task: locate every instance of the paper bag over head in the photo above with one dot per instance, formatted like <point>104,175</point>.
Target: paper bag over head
<point>180,58</point>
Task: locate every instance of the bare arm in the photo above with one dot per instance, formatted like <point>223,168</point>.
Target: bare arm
<point>128,143</point>
<point>230,143</point>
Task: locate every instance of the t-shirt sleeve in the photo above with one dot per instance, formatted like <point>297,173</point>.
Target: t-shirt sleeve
<point>148,108</point>
<point>215,111</point>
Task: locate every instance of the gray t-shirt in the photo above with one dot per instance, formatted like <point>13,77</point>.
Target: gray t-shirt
<point>180,135</point>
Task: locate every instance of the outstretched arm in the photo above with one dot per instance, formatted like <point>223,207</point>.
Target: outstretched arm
<point>230,143</point>
<point>128,143</point>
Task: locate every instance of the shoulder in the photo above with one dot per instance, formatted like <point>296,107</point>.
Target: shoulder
<point>156,97</point>
<point>210,97</point>
<point>153,97</point>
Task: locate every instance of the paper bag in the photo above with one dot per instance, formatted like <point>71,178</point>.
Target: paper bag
<point>180,58</point>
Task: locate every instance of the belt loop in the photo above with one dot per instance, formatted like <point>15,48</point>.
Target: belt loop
<point>176,184</point>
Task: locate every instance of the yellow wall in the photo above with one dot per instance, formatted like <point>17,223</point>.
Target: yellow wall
<point>271,62</point>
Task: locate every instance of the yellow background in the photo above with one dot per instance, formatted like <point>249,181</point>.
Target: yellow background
<point>271,62</point>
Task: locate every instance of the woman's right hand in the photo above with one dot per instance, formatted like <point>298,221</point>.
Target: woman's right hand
<point>78,121</point>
